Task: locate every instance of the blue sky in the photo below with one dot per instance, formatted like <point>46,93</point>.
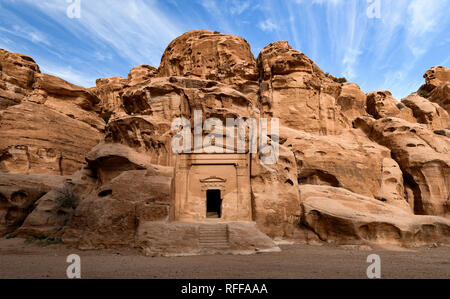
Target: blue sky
<point>390,52</point>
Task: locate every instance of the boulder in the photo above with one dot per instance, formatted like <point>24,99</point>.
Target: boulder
<point>18,194</point>
<point>52,211</point>
<point>435,77</point>
<point>381,104</point>
<point>437,86</point>
<point>110,216</point>
<point>339,216</point>
<point>427,113</point>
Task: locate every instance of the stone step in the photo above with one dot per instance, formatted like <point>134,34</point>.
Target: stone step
<point>213,241</point>
<point>216,242</point>
<point>224,234</point>
<point>214,245</point>
<point>214,236</point>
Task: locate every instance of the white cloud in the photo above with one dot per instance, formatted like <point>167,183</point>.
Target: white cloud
<point>268,26</point>
<point>68,74</point>
<point>424,15</point>
<point>238,7</point>
<point>333,2</point>
<point>141,37</point>
<point>27,32</point>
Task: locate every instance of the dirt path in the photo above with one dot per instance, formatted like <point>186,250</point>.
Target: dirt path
<point>20,260</point>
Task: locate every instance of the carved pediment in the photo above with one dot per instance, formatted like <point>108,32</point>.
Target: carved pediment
<point>213,179</point>
<point>213,183</point>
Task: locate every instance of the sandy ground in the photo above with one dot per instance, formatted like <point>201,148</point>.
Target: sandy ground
<point>20,260</point>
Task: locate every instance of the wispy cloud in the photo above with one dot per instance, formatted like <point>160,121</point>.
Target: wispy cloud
<point>104,22</point>
<point>112,36</point>
<point>267,25</point>
<point>238,7</point>
<point>69,74</point>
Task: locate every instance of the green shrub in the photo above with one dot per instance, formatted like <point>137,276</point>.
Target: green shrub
<point>400,106</point>
<point>337,80</point>
<point>67,198</point>
<point>44,241</point>
<point>107,118</point>
<point>423,93</point>
<point>440,132</point>
<point>340,80</point>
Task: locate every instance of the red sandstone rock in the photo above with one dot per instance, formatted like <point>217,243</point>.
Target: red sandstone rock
<point>437,86</point>
<point>47,124</point>
<point>424,158</point>
<point>342,217</point>
<point>18,194</point>
<point>352,168</point>
<point>294,89</point>
<point>428,113</point>
<point>381,104</point>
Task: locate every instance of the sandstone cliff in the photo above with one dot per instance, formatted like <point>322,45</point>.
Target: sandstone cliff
<point>353,168</point>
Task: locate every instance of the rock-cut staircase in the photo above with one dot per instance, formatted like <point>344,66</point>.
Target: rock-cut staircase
<point>214,236</point>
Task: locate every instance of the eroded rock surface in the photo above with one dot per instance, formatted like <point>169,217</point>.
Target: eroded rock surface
<point>47,124</point>
<point>35,139</point>
<point>212,56</point>
<point>437,86</point>
<point>427,113</point>
<point>381,104</point>
<point>352,168</point>
<point>295,90</point>
<point>424,158</point>
<point>340,216</point>
<point>111,215</point>
<point>18,194</point>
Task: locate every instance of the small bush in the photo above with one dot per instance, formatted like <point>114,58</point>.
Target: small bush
<point>44,241</point>
<point>50,241</point>
<point>106,116</point>
<point>424,94</point>
<point>67,198</point>
<point>440,132</point>
<point>400,106</point>
<point>337,80</point>
<point>340,80</point>
<point>106,119</point>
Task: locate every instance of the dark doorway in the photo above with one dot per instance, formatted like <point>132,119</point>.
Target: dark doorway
<point>213,204</point>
